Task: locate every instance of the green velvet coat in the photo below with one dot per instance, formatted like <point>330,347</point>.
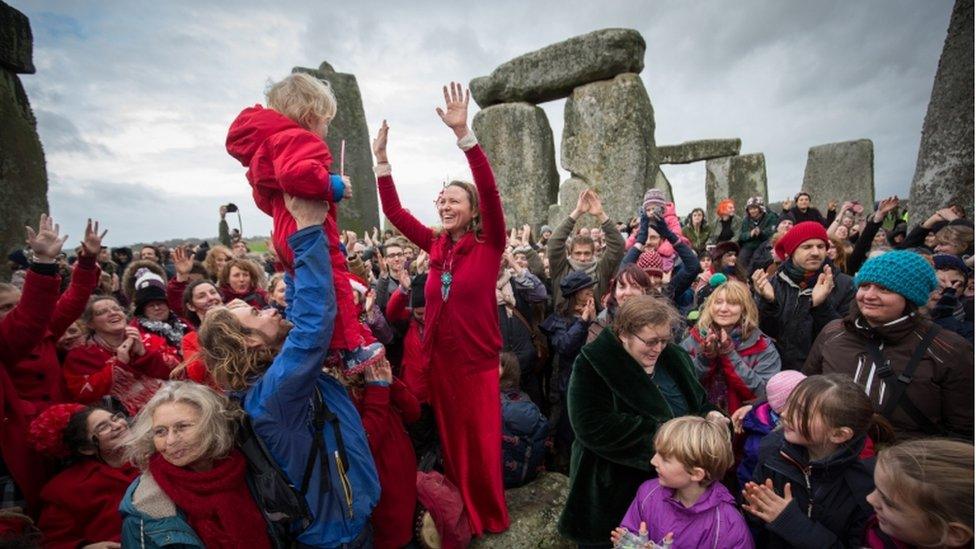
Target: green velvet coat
<point>615,410</point>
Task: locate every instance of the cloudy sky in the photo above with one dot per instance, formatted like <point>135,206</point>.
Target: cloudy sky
<point>133,99</point>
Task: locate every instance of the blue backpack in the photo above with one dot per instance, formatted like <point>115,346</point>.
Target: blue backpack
<point>525,432</point>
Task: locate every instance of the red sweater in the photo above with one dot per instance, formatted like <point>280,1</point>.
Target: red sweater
<point>92,371</point>
<point>80,506</point>
<point>473,264</point>
<point>37,378</point>
<point>21,331</point>
<point>384,410</point>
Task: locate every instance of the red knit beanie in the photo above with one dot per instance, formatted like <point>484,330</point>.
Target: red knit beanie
<point>651,263</point>
<point>800,233</point>
<point>46,433</point>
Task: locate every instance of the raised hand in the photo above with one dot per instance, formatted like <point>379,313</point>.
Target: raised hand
<point>884,207</point>
<point>306,212</point>
<point>582,204</point>
<point>738,416</point>
<point>421,264</point>
<point>596,206</point>
<point>92,244</point>
<point>455,113</point>
<point>832,205</point>
<point>763,501</point>
<point>347,193</point>
<point>526,233</point>
<point>761,283</point>
<point>370,300</point>
<point>823,287</point>
<point>379,144</point>
<point>137,348</point>
<point>122,352</point>
<point>183,263</point>
<point>46,242</point>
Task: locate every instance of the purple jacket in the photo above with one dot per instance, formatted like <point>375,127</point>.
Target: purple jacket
<point>759,422</point>
<point>712,522</point>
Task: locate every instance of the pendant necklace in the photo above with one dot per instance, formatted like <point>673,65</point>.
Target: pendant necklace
<point>446,276</point>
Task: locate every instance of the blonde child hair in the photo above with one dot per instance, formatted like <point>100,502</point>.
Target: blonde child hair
<point>303,98</point>
<point>936,477</point>
<point>696,442</point>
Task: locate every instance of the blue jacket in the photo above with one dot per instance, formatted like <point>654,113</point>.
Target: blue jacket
<point>759,422</point>
<point>524,434</point>
<point>141,530</point>
<point>279,404</point>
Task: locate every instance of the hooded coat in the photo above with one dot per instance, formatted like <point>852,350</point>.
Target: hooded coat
<point>829,507</point>
<point>283,157</point>
<point>712,522</point>
<point>616,409</point>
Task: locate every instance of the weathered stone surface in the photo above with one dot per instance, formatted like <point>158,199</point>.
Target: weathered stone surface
<point>569,192</point>
<point>518,141</point>
<point>696,151</point>
<point>23,175</point>
<point>840,171</point>
<point>608,141</point>
<point>555,70</point>
<point>944,171</point>
<point>736,177</point>
<point>534,510</point>
<point>362,212</point>
<point>16,41</point>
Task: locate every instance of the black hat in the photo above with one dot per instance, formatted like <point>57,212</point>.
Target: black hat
<point>574,282</point>
<point>149,287</point>
<point>722,248</point>
<point>417,298</point>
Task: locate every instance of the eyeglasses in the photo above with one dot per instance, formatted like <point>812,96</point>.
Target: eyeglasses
<point>653,342</point>
<point>395,254</point>
<point>107,310</point>
<point>179,430</point>
<point>105,426</point>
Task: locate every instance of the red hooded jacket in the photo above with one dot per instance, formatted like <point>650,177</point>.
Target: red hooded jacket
<point>283,157</point>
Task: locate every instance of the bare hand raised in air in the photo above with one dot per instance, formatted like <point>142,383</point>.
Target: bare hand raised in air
<point>455,113</point>
<point>46,242</point>
<point>379,144</point>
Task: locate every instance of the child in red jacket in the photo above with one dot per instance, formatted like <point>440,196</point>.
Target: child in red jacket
<point>284,149</point>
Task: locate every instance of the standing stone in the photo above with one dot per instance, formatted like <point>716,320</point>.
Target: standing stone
<point>518,141</point>
<point>696,151</point>
<point>736,177</point>
<point>556,70</point>
<point>362,212</point>
<point>569,192</point>
<point>23,175</point>
<point>608,142</point>
<point>944,171</point>
<point>840,171</point>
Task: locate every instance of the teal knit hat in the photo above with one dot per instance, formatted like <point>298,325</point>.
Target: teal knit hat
<point>905,273</point>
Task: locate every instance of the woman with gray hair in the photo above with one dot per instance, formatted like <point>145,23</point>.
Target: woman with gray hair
<point>193,490</point>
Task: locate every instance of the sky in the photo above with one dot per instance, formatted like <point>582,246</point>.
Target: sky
<point>133,99</point>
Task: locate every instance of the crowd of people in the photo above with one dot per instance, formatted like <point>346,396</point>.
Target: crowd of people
<point>779,379</point>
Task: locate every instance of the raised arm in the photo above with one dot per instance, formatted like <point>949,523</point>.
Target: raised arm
<point>283,390</point>
<point>84,279</point>
<point>455,116</point>
<point>404,221</point>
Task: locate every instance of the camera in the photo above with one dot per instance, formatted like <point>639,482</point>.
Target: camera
<point>231,207</point>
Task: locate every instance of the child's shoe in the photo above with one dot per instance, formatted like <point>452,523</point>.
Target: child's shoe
<point>357,360</point>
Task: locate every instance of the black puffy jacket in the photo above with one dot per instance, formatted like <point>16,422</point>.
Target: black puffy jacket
<point>829,507</point>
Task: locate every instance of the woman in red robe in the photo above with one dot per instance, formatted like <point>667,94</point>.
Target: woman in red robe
<point>461,337</point>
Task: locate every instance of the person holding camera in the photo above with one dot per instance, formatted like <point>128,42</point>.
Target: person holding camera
<point>223,230</point>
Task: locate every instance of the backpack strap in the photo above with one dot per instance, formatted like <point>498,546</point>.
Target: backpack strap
<point>318,445</point>
<point>900,384</point>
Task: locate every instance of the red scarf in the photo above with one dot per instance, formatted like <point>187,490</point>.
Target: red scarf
<point>217,503</point>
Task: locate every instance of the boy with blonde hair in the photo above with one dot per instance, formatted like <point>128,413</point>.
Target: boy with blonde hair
<point>687,502</point>
<point>284,149</point>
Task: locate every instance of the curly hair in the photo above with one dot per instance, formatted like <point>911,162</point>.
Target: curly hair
<point>216,416</point>
<point>257,275</point>
<point>210,262</point>
<point>224,349</point>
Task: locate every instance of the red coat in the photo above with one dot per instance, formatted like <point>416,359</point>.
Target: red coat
<point>174,295</point>
<point>283,157</point>
<point>92,371</point>
<point>413,366</point>
<point>21,331</point>
<point>256,297</point>
<point>463,342</point>
<point>80,506</point>
<point>37,378</point>
<point>384,410</point>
